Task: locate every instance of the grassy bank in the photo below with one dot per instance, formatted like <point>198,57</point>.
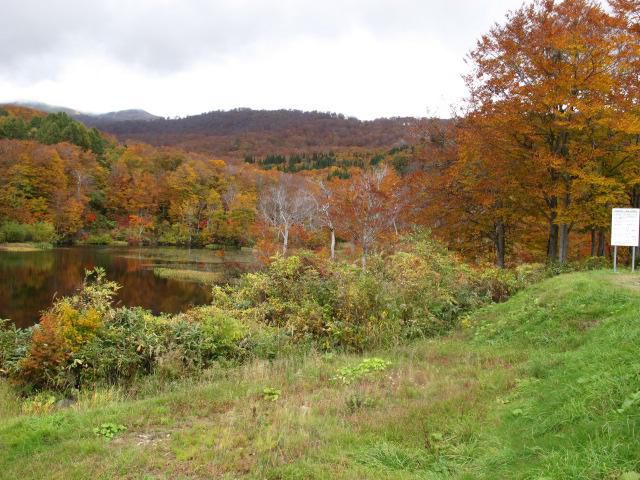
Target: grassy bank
<point>544,385</point>
<point>197,276</point>
<point>25,247</point>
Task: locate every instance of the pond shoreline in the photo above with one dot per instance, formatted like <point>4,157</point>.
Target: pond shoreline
<point>25,247</point>
<point>162,280</point>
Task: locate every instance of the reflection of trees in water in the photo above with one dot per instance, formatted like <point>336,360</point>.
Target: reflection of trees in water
<point>143,288</point>
<point>127,264</point>
<point>35,261</point>
<point>24,279</point>
<point>29,281</point>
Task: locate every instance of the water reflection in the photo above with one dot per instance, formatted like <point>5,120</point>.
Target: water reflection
<point>29,281</point>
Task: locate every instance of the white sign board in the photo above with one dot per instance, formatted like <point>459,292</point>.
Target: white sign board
<point>625,227</point>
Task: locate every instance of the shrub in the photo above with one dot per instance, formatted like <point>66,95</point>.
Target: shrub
<point>311,299</point>
<point>595,263</point>
<point>174,234</point>
<point>358,401</point>
<point>133,342</point>
<point>98,239</point>
<point>303,301</point>
<point>14,344</point>
<point>530,273</point>
<point>127,345</point>
<point>109,430</point>
<point>39,404</point>
<point>271,394</point>
<point>365,368</point>
<point>69,325</point>
<point>13,232</point>
<point>217,335</point>
<point>420,291</point>
<point>42,232</point>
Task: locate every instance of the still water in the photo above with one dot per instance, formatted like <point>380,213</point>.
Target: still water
<point>29,281</point>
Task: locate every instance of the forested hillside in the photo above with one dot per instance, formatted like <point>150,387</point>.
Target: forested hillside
<point>241,132</point>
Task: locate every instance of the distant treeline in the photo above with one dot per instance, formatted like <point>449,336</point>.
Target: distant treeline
<point>398,157</point>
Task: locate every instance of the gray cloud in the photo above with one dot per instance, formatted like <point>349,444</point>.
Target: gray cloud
<point>159,36</point>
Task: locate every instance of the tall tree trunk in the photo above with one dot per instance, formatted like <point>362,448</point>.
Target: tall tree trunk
<point>499,241</point>
<point>563,251</point>
<point>635,197</point>
<point>601,243</point>
<point>552,242</point>
<point>552,246</point>
<point>285,241</point>
<point>593,242</point>
<point>333,244</point>
<point>565,228</point>
<point>363,260</point>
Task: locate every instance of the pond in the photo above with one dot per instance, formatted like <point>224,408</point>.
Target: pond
<point>29,281</point>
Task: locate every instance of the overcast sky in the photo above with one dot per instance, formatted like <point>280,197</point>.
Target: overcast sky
<point>367,58</point>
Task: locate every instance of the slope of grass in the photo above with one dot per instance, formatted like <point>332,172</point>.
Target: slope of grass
<point>543,386</point>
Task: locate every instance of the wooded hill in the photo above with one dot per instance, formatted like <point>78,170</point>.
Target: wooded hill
<point>241,132</point>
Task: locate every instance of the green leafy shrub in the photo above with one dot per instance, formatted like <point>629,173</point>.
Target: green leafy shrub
<point>128,345</point>
<point>420,291</point>
<point>98,239</point>
<point>109,430</point>
<point>271,394</point>
<point>594,263</point>
<point>365,368</point>
<point>83,340</point>
<point>69,325</point>
<point>218,335</point>
<point>134,342</point>
<point>13,232</point>
<point>14,344</point>
<point>309,299</point>
<point>40,232</point>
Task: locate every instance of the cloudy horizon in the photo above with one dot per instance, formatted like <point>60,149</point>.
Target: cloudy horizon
<point>368,59</point>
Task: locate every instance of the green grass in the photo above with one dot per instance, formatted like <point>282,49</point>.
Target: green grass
<point>539,387</point>
<point>197,276</point>
<point>25,247</point>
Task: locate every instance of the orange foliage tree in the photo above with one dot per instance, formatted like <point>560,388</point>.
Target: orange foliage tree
<point>553,118</point>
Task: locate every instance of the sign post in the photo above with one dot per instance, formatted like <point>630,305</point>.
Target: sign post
<point>625,232</point>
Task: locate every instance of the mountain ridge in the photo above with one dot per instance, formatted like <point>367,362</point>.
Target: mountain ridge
<point>244,132</point>
<point>132,114</point>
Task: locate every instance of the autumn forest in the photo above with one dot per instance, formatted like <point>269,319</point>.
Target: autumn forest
<point>547,143</point>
